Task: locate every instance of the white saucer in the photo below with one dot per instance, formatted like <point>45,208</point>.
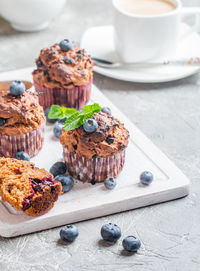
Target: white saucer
<point>98,41</point>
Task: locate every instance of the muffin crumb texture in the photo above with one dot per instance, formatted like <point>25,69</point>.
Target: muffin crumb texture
<point>26,187</point>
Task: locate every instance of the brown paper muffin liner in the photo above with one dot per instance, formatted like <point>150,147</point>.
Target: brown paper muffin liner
<point>30,142</point>
<point>96,169</point>
<point>75,97</point>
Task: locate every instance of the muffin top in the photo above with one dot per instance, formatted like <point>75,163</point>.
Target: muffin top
<point>110,137</point>
<point>58,68</point>
<point>19,114</point>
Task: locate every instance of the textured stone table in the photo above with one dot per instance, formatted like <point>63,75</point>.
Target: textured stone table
<point>169,114</point>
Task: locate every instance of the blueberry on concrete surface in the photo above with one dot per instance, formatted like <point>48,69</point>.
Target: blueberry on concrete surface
<point>69,233</point>
<point>131,244</point>
<point>110,232</point>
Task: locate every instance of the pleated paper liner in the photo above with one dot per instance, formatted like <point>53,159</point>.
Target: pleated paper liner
<point>96,169</point>
<point>30,143</point>
<point>75,97</point>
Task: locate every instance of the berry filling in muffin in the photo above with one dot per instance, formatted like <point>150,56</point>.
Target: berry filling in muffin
<point>26,187</point>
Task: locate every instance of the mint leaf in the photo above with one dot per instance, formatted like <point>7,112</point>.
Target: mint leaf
<point>74,121</point>
<point>89,110</point>
<point>60,112</point>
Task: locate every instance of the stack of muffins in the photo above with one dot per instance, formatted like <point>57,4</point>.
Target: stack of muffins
<point>63,77</point>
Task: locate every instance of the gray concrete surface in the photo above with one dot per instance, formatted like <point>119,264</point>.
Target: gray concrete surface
<point>169,114</point>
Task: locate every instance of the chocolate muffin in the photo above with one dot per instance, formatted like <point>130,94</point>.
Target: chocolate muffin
<point>92,157</point>
<point>22,123</point>
<point>26,187</point>
<point>63,76</point>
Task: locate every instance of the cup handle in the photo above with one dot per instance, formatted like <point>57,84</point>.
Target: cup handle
<point>189,11</point>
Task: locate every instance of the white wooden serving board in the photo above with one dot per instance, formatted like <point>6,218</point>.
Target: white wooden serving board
<point>86,201</point>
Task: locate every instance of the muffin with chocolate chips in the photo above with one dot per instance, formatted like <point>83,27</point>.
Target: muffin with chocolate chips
<point>22,121</point>
<point>63,75</point>
<point>96,149</point>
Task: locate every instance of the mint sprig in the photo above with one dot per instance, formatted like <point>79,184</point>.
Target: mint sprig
<point>74,118</point>
<point>60,112</point>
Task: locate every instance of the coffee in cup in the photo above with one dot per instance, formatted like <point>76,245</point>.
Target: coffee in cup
<point>147,7</point>
<point>146,30</point>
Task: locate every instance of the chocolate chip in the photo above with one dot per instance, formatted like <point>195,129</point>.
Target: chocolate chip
<point>115,123</point>
<point>39,63</point>
<point>68,60</point>
<point>75,147</point>
<point>110,140</point>
<point>3,121</point>
<point>94,156</point>
<point>93,182</point>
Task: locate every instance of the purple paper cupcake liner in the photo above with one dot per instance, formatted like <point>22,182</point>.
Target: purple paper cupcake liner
<point>75,97</point>
<point>30,142</point>
<point>96,169</point>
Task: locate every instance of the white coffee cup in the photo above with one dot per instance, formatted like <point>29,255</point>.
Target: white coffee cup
<point>140,38</point>
<point>30,15</point>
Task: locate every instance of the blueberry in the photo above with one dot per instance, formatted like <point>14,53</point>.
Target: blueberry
<point>106,110</point>
<point>62,122</point>
<point>66,181</point>
<point>2,122</point>
<point>17,88</point>
<point>21,155</point>
<point>69,233</point>
<point>65,45</point>
<point>110,183</point>
<point>110,232</point>
<point>146,178</point>
<point>68,60</point>
<point>57,130</point>
<point>131,243</point>
<point>110,140</point>
<point>58,168</point>
<point>46,112</point>
<point>90,125</point>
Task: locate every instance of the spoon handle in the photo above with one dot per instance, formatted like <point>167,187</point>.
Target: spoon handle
<point>192,61</point>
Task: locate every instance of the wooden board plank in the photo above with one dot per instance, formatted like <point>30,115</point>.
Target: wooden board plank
<point>86,201</point>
